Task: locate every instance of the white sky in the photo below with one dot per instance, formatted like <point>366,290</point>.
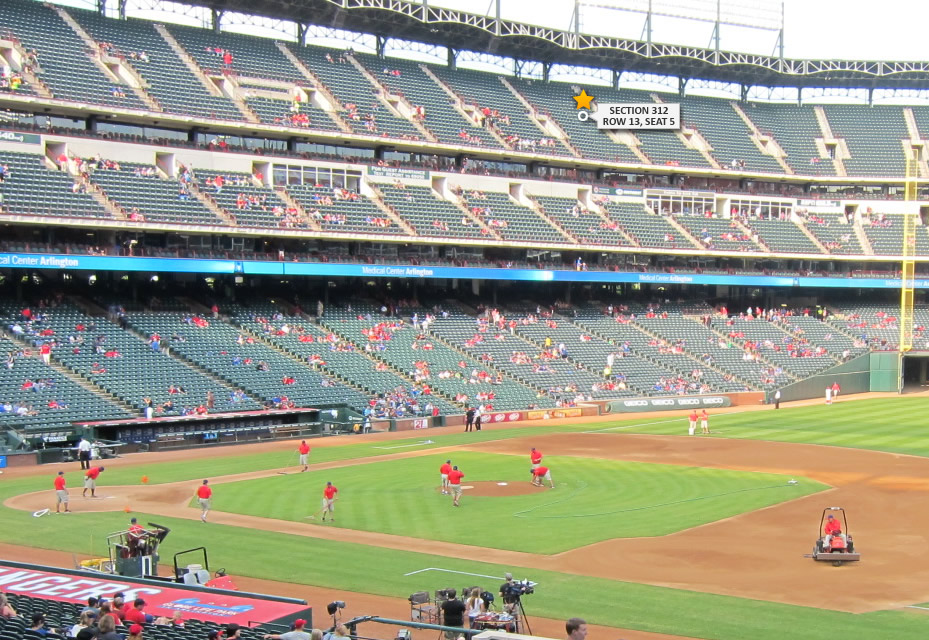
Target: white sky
<point>830,29</point>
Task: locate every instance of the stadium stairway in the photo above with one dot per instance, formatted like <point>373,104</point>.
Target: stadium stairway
<point>652,330</point>
<point>638,337</point>
<point>73,376</point>
<point>331,105</point>
<point>332,369</point>
<point>196,366</point>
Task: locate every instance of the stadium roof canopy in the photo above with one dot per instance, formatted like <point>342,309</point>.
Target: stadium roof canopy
<point>420,22</point>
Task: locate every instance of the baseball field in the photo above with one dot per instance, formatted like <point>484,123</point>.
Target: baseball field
<point>648,531</point>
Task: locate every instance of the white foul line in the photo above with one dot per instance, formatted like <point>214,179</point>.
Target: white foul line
<point>644,424</point>
<point>401,446</point>
<point>464,573</point>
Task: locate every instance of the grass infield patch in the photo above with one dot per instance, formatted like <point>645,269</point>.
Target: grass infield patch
<point>593,500</point>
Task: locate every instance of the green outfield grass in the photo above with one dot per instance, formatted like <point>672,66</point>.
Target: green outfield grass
<point>594,500</point>
<point>893,425</point>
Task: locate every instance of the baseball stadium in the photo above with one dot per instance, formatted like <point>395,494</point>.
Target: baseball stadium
<point>386,319</point>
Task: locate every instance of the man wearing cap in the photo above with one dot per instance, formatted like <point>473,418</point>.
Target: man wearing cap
<point>134,538</point>
<point>119,604</point>
<point>443,476</point>
<point>298,633</point>
<point>135,631</point>
<point>832,529</point>
<point>329,499</point>
<point>61,493</point>
<point>135,615</point>
<point>204,497</point>
<point>304,450</point>
<point>535,457</point>
<point>540,474</point>
<point>90,481</point>
<point>454,481</point>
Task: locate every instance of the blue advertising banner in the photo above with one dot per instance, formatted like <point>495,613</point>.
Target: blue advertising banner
<point>256,267</point>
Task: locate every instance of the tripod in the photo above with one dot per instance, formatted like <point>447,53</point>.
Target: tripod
<point>519,612</point>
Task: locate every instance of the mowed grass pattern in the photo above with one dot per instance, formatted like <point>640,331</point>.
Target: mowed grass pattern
<point>594,500</point>
<point>893,425</point>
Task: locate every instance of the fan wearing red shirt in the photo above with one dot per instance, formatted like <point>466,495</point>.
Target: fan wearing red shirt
<point>535,456</point>
<point>205,498</point>
<point>539,474</point>
<point>329,499</point>
<point>61,493</point>
<point>443,476</point>
<point>90,481</point>
<point>304,450</point>
<point>136,615</point>
<point>454,481</point>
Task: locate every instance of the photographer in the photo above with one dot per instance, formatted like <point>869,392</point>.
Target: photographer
<point>509,593</point>
<point>452,614</point>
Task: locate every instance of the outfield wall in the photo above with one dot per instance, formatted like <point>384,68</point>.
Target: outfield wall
<point>853,376</point>
<point>885,371</point>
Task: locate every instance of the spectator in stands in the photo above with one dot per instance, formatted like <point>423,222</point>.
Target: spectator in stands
<point>107,628</point>
<point>92,606</point>
<point>453,611</point>
<point>135,614</point>
<point>39,626</point>
<point>6,609</point>
<point>297,633</point>
<point>87,620</point>
<point>135,632</point>
<point>576,629</point>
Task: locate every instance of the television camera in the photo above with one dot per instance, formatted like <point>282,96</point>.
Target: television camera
<point>512,591</point>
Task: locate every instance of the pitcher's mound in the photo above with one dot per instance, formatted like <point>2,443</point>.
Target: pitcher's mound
<point>498,489</point>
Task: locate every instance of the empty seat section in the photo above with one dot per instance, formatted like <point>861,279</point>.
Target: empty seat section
<point>369,116</point>
<point>250,205</point>
<point>63,58</point>
<point>555,100</point>
<point>795,128</point>
<point>154,197</point>
<point>648,229</point>
<point>875,138</point>
<point>717,233</point>
<point>728,135</point>
<point>782,236</point>
<point>54,403</point>
<point>406,79</point>
<point>835,232</point>
<point>428,214</point>
<point>587,226</point>
<point>34,189</point>
<point>337,210</point>
<point>484,91</point>
<point>512,221</point>
<point>216,347</point>
<point>175,87</point>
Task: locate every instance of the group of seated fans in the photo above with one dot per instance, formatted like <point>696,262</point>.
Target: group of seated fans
<point>110,617</point>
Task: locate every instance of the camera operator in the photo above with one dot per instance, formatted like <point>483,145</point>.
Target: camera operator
<point>508,593</point>
<point>452,614</point>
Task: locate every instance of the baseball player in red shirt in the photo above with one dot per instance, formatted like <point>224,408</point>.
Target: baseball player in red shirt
<point>61,492</point>
<point>329,499</point>
<point>705,422</point>
<point>90,481</point>
<point>443,476</point>
<point>535,456</point>
<point>454,481</point>
<point>205,498</point>
<point>692,428</point>
<point>304,450</point>
<point>539,474</point>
